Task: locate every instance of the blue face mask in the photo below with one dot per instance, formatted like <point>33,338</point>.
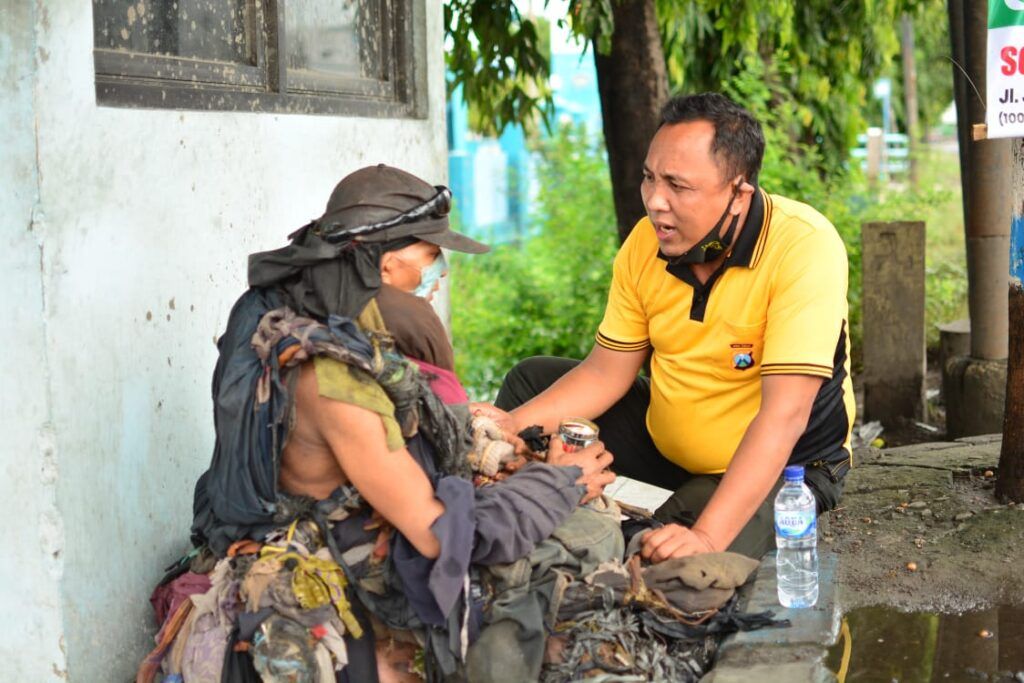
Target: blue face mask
<point>430,276</point>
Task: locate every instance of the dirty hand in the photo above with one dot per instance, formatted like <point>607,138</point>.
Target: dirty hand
<point>674,540</point>
<point>490,452</point>
<point>594,460</point>
<point>505,421</point>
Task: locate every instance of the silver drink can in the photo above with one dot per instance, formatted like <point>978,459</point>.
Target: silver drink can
<point>576,433</point>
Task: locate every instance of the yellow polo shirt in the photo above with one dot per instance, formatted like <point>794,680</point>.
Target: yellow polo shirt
<point>777,306</point>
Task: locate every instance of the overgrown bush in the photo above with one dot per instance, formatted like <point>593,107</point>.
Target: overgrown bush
<point>547,296</point>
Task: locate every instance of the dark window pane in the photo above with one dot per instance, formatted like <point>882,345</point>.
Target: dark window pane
<point>218,30</point>
<point>336,37</point>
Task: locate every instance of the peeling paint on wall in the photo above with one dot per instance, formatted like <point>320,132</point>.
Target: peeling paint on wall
<point>1017,249</point>
<point>51,527</point>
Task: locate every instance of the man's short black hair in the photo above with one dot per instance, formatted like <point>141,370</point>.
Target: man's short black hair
<point>738,144</point>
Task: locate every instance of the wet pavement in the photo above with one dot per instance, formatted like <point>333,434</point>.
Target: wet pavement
<point>924,579</point>
<point>883,644</point>
<point>919,528</point>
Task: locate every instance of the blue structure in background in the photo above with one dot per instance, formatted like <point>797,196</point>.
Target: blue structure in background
<point>494,179</point>
<point>574,82</point>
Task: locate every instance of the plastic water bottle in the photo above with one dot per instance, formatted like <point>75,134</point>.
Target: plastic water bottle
<point>796,537</point>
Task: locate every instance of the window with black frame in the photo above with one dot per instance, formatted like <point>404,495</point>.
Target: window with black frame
<point>329,56</point>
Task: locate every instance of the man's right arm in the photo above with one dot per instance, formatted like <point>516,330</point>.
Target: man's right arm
<point>607,373</point>
<point>588,390</point>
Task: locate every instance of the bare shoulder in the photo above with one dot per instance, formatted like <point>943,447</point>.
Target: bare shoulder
<point>307,390</point>
<point>309,465</point>
<point>342,425</point>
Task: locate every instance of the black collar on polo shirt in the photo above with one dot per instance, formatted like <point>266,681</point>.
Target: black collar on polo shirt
<point>742,254</point>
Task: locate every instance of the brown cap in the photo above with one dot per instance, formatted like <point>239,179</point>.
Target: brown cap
<point>375,194</point>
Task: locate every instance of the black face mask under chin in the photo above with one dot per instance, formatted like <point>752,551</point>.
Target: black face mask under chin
<point>711,246</point>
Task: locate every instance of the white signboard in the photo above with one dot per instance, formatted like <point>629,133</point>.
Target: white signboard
<point>1005,74</point>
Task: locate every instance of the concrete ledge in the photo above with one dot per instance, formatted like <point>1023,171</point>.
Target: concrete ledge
<point>959,456</point>
<point>996,437</point>
<point>796,653</point>
<point>794,672</point>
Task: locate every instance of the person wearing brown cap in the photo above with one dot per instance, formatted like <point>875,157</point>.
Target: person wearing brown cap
<point>339,469</point>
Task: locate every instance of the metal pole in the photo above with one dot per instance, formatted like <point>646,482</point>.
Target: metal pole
<point>988,205</point>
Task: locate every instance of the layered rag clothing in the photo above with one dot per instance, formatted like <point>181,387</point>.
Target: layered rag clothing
<point>358,362</point>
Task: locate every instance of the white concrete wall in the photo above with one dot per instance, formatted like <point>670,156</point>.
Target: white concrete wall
<point>31,565</point>
<point>124,246</point>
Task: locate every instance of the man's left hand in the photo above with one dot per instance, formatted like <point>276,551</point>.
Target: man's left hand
<point>674,540</point>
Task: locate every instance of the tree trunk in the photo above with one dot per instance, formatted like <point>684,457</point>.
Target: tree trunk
<point>1010,485</point>
<point>910,92</point>
<point>633,85</point>
<point>988,204</point>
<point>955,9</point>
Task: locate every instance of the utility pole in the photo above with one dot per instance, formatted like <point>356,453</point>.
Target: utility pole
<point>988,204</point>
<point>955,9</point>
<point>974,385</point>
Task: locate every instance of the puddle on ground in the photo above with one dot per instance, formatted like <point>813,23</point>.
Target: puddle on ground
<point>883,644</point>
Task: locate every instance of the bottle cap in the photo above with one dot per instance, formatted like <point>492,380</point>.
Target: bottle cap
<point>794,473</point>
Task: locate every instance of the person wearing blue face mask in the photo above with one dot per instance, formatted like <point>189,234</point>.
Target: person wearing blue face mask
<point>417,268</point>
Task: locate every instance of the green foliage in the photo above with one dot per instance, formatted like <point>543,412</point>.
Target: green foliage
<point>501,60</point>
<point>819,57</point>
<point>592,19</point>
<point>823,54</point>
<point>545,297</point>
<point>804,69</point>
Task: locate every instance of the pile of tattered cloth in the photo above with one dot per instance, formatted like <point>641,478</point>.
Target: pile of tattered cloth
<point>288,588</point>
<point>279,611</point>
<point>625,622</point>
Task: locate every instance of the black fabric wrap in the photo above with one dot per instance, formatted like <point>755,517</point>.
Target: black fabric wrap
<point>236,497</point>
<point>321,279</point>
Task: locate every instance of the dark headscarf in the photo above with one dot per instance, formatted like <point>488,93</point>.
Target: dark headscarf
<point>321,279</point>
<point>323,274</point>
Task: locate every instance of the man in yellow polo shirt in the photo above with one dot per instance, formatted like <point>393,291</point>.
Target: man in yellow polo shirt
<point>739,299</point>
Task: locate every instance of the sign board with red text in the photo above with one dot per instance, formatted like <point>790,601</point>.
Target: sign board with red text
<point>1005,74</point>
